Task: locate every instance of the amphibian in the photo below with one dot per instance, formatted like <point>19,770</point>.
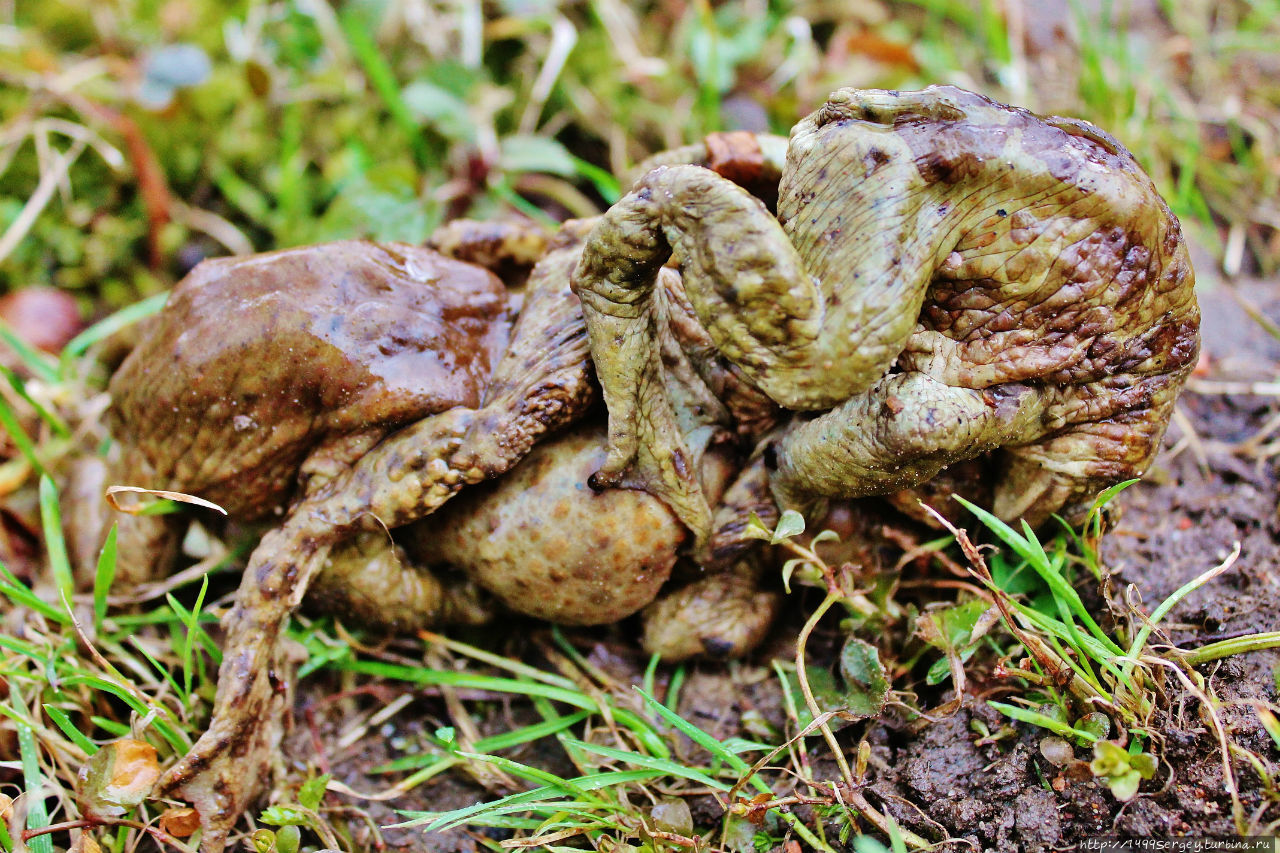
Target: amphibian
<point>359,387</point>
<point>945,277</point>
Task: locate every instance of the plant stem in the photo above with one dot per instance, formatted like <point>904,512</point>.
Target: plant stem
<point>1233,646</point>
<point>803,678</point>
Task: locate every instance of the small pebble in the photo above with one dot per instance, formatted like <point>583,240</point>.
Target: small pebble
<point>45,317</point>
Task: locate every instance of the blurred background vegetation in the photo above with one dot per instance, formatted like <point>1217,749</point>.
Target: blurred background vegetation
<point>139,136</point>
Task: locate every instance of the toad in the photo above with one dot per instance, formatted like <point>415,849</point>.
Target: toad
<point>945,277</point>
<point>359,388</point>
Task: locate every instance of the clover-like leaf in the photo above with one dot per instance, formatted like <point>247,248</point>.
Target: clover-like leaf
<point>1109,758</point>
<point>757,529</point>
<point>1123,772</point>
<point>865,680</point>
<point>1144,763</point>
<point>312,792</point>
<point>790,524</point>
<point>1125,786</point>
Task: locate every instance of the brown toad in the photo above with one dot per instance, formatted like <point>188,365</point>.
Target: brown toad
<point>946,276</point>
<point>352,388</point>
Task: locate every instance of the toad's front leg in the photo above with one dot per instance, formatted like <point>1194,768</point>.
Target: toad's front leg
<point>809,324</point>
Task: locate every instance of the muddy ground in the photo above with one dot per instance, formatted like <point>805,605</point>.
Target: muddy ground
<point>1214,485</point>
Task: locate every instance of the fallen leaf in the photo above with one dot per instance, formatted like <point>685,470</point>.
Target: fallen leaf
<point>180,822</point>
<point>135,509</point>
<point>116,778</point>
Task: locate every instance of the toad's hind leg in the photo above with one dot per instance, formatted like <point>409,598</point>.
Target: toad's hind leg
<point>370,581</point>
<point>898,434</point>
<point>408,475</point>
<point>722,615</point>
<point>1063,473</point>
<point>234,759</point>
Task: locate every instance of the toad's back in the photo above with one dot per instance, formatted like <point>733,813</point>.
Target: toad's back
<point>253,362</point>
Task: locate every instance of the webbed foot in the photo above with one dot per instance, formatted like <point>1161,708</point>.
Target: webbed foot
<point>723,615</point>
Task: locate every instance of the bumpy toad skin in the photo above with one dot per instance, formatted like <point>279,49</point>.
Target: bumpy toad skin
<point>546,544</point>
<point>946,276</point>
<point>256,361</point>
<point>302,359</point>
<point>540,383</point>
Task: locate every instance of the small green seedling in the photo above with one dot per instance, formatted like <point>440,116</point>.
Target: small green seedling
<point>1121,770</point>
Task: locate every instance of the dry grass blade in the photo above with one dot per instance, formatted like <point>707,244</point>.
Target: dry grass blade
<point>138,509</point>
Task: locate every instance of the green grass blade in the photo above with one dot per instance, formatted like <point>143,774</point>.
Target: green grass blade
<point>107,327</point>
<point>436,678</point>
<point>1180,593</point>
<point>1029,549</point>
<point>456,817</point>
<point>164,672</point>
<point>603,180</point>
<point>499,662</point>
<point>502,189</point>
<point>1053,627</point>
<point>383,80</point>
<point>37,362</point>
<point>500,815</point>
<point>497,821</point>
<point>531,774</point>
<point>571,697</point>
<point>104,577</point>
<point>695,734</point>
<point>27,650</point>
<point>1026,715</point>
<point>20,594</point>
<point>526,734</point>
<point>58,425</point>
<point>33,780</point>
<point>1007,534</point>
<point>159,721</point>
<point>9,420</point>
<point>1233,646</point>
<point>435,768</point>
<point>63,722</point>
<point>323,658</point>
<point>673,688</point>
<point>662,765</point>
<point>192,624</point>
<point>115,728</point>
<point>18,717</point>
<point>54,543</point>
<point>588,814</point>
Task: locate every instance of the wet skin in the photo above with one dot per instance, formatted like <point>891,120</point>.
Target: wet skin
<point>945,277</point>
<point>361,388</point>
